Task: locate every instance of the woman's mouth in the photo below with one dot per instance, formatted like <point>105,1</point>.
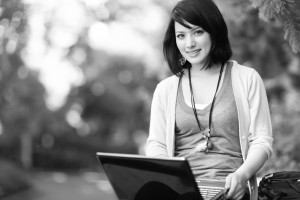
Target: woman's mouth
<point>193,53</point>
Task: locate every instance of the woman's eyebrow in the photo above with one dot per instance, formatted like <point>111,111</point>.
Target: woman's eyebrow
<point>179,31</point>
<point>196,27</point>
<point>192,29</point>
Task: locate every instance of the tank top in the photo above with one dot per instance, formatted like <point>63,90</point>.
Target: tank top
<point>225,156</point>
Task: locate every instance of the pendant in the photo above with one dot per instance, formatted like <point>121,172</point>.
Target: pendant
<point>201,147</point>
<point>204,146</point>
<point>209,145</point>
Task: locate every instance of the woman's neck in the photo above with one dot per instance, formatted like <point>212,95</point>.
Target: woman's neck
<point>200,71</point>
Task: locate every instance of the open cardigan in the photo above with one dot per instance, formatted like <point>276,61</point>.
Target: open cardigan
<point>255,129</point>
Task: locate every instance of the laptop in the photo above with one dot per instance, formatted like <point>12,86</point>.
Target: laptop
<point>137,177</point>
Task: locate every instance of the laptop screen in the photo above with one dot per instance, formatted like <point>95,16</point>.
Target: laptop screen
<point>135,177</point>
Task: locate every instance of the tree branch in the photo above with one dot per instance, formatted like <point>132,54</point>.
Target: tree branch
<point>286,12</point>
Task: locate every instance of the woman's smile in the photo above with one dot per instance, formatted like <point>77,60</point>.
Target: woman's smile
<point>194,53</point>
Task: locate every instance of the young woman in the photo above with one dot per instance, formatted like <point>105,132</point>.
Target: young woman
<point>213,111</point>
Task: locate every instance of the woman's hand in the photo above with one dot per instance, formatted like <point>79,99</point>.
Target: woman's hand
<point>236,185</point>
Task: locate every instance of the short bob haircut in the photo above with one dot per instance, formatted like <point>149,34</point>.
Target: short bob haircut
<point>203,13</point>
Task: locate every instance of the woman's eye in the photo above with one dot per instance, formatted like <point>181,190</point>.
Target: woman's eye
<point>180,36</point>
<point>199,32</point>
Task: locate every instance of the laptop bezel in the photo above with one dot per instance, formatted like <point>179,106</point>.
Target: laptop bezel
<point>141,158</point>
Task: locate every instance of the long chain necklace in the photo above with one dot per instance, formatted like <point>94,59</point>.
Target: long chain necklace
<point>208,145</point>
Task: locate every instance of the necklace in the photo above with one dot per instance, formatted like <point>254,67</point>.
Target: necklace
<point>207,145</point>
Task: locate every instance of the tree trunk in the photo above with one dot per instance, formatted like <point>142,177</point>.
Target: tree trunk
<point>26,150</point>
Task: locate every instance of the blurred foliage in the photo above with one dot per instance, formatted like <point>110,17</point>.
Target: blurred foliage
<point>287,13</point>
<point>113,104</point>
<point>110,110</point>
<point>256,43</point>
<point>12,179</point>
<point>22,102</point>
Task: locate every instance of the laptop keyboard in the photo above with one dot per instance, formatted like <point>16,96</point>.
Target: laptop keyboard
<point>211,190</point>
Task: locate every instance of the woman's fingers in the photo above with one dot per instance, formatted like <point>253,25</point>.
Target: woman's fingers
<point>236,189</point>
<point>230,185</point>
<point>239,195</point>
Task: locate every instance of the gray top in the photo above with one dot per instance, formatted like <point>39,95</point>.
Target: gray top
<point>225,156</point>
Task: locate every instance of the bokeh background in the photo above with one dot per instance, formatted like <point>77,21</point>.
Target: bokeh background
<point>77,77</point>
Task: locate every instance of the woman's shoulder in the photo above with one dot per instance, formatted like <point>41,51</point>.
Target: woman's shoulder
<point>241,68</point>
<point>244,71</point>
<point>168,82</point>
<point>166,87</point>
<point>245,74</point>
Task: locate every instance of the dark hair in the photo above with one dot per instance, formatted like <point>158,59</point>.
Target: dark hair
<point>203,13</point>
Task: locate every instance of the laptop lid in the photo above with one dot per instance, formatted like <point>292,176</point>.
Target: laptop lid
<point>136,177</point>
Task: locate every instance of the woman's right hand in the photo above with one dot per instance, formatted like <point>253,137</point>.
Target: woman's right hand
<point>236,185</point>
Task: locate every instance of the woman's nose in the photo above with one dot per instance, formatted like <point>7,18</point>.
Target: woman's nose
<point>190,42</point>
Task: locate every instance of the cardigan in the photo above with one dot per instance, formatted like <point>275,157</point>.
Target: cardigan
<point>255,129</point>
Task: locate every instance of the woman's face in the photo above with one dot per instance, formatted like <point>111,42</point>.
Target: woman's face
<point>194,44</point>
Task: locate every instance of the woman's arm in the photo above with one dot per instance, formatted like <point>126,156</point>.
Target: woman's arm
<point>237,180</point>
<point>156,142</point>
<point>260,137</point>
